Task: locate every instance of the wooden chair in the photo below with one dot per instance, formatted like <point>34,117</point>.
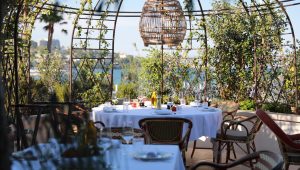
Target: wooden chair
<point>237,131</point>
<point>289,144</point>
<point>167,131</point>
<point>265,160</point>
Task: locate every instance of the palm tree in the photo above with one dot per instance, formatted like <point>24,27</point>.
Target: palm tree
<point>51,19</point>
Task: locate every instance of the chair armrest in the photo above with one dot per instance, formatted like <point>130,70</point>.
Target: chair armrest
<point>295,136</point>
<point>252,156</point>
<point>99,122</point>
<point>230,113</point>
<point>210,164</point>
<point>225,117</point>
<point>232,124</point>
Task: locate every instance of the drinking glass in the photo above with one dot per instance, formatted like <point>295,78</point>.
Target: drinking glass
<point>127,132</point>
<point>181,98</point>
<point>126,104</point>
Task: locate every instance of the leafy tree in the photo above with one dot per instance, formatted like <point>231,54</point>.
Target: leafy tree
<point>130,69</point>
<point>51,71</point>
<point>151,70</point>
<point>128,90</point>
<point>232,51</point>
<point>52,18</point>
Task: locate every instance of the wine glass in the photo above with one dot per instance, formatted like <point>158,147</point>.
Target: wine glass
<point>127,132</point>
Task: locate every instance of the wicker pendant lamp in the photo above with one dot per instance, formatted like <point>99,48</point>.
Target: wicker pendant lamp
<point>162,22</point>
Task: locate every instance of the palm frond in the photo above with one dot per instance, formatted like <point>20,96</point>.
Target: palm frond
<point>64,31</point>
<point>103,4</point>
<point>188,5</point>
<point>46,27</point>
<point>62,23</point>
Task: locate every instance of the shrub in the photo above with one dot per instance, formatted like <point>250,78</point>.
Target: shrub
<point>247,105</point>
<point>277,107</point>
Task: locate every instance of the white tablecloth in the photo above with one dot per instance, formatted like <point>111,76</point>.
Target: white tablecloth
<point>122,155</point>
<point>206,122</point>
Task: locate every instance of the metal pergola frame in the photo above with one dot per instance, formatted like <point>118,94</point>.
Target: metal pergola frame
<point>17,31</point>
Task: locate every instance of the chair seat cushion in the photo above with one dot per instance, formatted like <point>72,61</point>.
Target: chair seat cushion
<point>233,135</point>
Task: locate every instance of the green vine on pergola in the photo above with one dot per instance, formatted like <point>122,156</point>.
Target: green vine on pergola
<point>265,81</point>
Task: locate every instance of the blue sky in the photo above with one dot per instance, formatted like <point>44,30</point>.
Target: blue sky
<point>127,28</point>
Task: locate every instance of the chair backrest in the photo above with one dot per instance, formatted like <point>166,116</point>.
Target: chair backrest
<point>228,106</point>
<point>256,126</point>
<point>229,109</point>
<point>280,134</point>
<point>264,160</point>
<point>166,130</point>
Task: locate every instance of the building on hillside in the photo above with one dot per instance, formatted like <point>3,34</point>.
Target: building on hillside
<point>123,55</point>
<point>34,44</point>
<point>55,44</point>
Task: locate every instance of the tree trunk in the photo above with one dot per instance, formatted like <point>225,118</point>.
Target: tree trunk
<point>50,36</point>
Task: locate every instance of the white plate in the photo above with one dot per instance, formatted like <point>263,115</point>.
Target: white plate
<point>147,156</point>
<point>109,109</point>
<point>163,112</point>
<point>208,110</point>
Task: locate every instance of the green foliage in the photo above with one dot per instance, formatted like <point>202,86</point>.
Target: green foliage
<point>39,92</point>
<point>61,91</point>
<point>231,55</point>
<point>92,97</point>
<point>236,39</point>
<point>51,69</point>
<point>130,69</point>
<point>128,90</point>
<point>277,107</point>
<point>151,71</point>
<point>247,105</point>
<point>92,93</point>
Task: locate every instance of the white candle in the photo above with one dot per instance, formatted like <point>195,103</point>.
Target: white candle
<point>116,87</point>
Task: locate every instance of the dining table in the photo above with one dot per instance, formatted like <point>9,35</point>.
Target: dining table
<point>206,120</point>
<point>115,156</point>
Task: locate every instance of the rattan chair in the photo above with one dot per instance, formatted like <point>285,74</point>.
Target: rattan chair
<point>167,131</point>
<point>264,160</point>
<point>289,144</point>
<point>229,111</point>
<point>237,131</point>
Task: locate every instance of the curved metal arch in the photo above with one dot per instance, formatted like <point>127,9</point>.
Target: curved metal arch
<point>203,15</point>
<point>206,50</point>
<point>294,50</point>
<point>71,52</point>
<point>269,88</point>
<point>26,28</point>
<point>256,72</point>
<point>22,25</point>
<point>99,60</point>
<point>7,64</point>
